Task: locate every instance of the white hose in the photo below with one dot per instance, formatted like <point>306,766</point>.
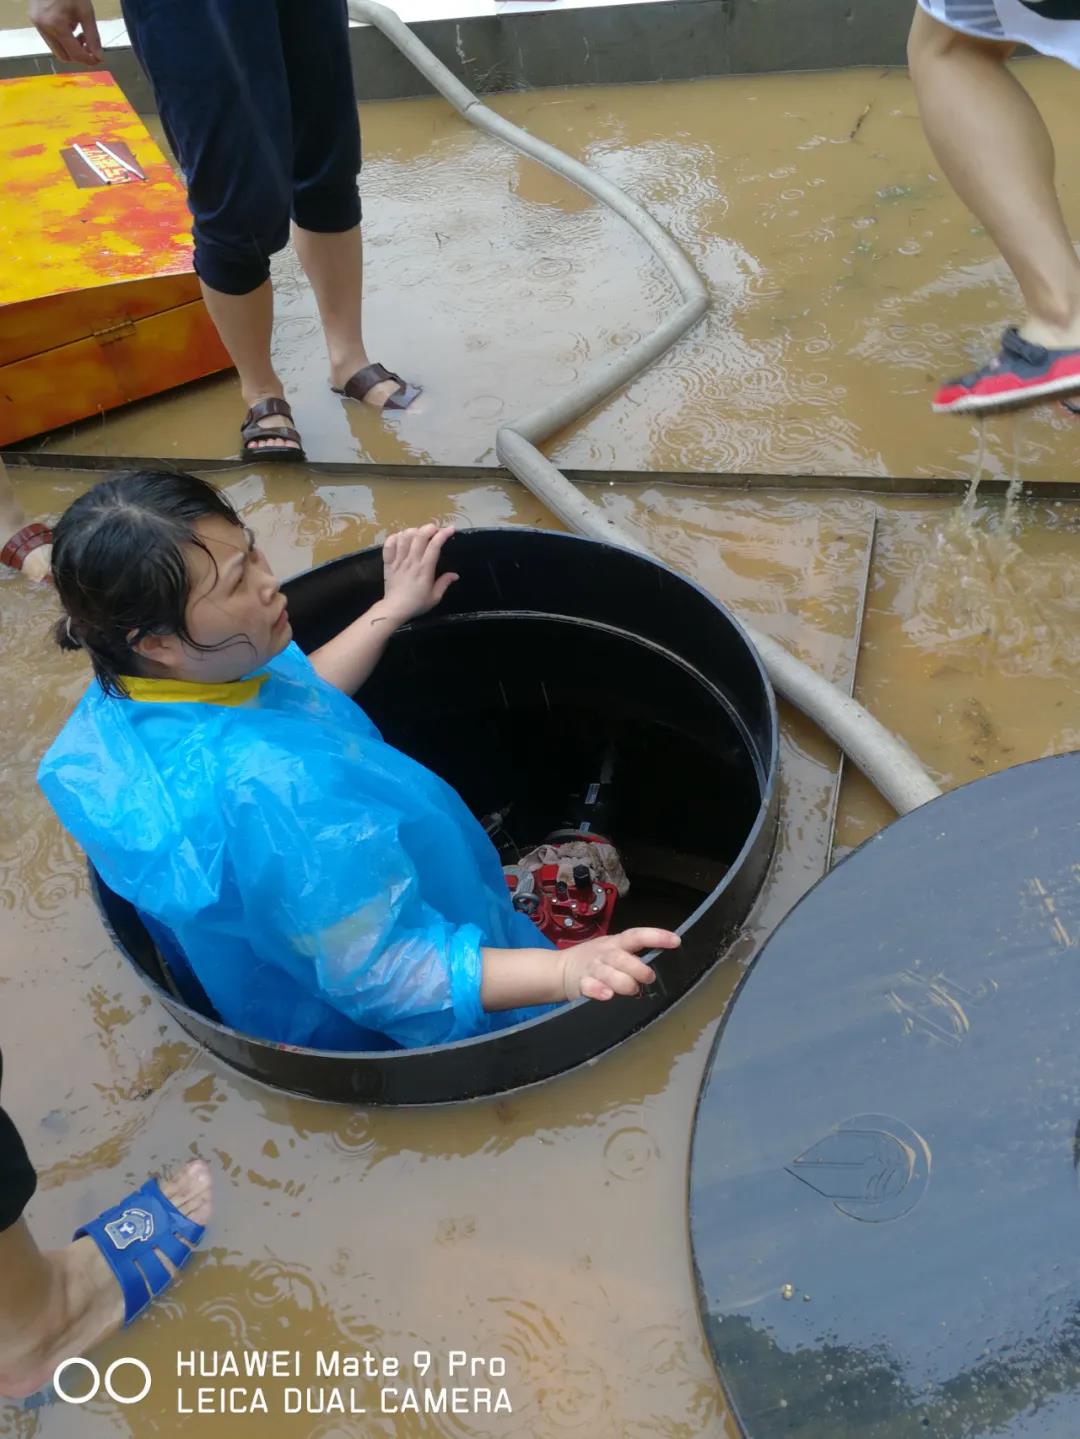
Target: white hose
<point>881,756</point>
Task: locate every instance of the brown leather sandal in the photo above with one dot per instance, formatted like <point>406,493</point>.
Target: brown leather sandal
<point>372,375</point>
<point>252,430</point>
<point>24,542</point>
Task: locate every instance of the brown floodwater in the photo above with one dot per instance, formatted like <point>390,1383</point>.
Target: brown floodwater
<point>549,1227</point>
<point>846,277</point>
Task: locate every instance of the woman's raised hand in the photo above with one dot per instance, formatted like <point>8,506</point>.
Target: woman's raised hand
<point>410,559</point>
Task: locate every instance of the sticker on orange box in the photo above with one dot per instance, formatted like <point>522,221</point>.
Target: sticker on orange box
<point>101,162</point>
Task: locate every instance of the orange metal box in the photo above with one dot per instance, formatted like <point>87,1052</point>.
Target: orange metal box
<point>99,304</point>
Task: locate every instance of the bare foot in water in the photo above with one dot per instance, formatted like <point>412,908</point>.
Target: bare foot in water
<point>62,1302</point>
<point>37,565</point>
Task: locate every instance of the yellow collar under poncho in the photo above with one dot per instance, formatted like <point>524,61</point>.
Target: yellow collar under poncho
<point>173,692</point>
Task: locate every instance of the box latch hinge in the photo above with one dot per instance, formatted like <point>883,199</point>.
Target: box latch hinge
<point>121,329</point>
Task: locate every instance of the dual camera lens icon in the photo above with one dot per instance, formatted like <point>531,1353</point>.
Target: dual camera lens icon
<point>99,1380</point>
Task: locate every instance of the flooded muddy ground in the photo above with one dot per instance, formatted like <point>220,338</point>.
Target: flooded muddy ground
<point>847,279</point>
<point>549,1227</point>
<point>546,1227</point>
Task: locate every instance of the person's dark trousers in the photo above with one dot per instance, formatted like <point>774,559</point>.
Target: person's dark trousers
<point>256,98</point>
<point>17,1178</point>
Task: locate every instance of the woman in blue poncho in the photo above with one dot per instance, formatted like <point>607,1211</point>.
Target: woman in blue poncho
<point>325,889</point>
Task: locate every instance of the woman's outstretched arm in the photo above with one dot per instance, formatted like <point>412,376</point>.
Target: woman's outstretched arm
<point>410,560</point>
<point>597,969</point>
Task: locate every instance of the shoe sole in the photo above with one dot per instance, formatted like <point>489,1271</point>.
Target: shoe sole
<point>1009,399</point>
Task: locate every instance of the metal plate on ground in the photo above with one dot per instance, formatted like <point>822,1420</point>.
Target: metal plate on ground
<point>884,1203</point>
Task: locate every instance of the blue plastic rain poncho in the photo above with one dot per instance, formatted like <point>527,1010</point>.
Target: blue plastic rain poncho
<point>321,884</point>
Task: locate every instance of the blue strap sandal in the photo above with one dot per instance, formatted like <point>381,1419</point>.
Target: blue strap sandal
<point>130,1232</point>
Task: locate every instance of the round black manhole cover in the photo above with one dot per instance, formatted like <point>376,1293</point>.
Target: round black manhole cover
<point>883,1196</point>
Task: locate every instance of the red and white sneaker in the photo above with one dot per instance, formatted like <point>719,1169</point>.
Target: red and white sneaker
<point>1021,374</point>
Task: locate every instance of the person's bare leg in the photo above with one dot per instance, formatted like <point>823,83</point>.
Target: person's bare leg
<point>61,1302</point>
<point>12,518</point>
<point>245,324</point>
<point>999,158</point>
<point>334,263</point>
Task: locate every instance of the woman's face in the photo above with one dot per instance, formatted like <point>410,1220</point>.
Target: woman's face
<point>234,601</point>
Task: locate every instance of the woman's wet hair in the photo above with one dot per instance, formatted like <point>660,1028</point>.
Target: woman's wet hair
<point>119,567</point>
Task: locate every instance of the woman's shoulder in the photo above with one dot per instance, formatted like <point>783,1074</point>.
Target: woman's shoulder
<point>301,689</point>
<point>293,662</point>
<point>110,746</point>
<point>80,737</point>
<point>295,684</point>
<point>133,790</point>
